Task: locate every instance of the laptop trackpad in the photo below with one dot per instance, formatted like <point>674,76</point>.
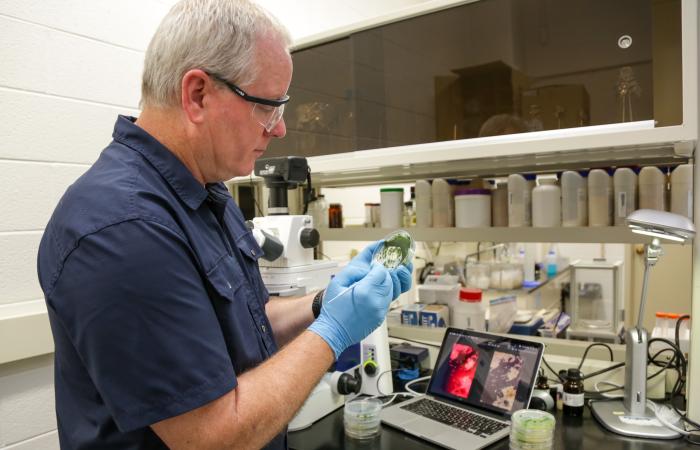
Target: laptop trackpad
<point>424,427</point>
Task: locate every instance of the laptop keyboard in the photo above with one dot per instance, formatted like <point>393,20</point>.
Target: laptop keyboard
<point>455,417</point>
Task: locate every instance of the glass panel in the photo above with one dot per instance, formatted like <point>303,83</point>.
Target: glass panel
<point>486,68</point>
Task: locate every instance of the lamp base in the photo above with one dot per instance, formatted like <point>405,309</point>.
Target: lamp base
<point>613,416</point>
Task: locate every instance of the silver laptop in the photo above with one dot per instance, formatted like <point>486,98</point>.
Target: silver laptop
<point>478,382</point>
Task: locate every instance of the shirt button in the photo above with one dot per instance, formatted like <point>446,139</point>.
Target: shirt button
<point>252,251</point>
<point>228,284</point>
<point>264,328</point>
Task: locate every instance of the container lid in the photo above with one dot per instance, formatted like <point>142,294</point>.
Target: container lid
<point>336,205</point>
<point>661,315</point>
<point>530,176</point>
<point>530,284</point>
<point>391,189</point>
<point>470,295</point>
<point>672,316</point>
<point>472,191</point>
<point>573,374</point>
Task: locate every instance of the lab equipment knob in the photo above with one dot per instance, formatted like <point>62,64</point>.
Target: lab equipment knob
<point>309,237</point>
<point>370,368</point>
<point>345,384</point>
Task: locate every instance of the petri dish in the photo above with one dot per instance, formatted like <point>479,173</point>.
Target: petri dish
<point>396,249</point>
<point>361,418</point>
<point>532,429</point>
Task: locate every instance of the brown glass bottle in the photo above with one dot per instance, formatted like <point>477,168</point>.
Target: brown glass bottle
<point>573,393</point>
<point>335,215</point>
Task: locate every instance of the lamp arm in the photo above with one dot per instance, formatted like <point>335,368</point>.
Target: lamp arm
<point>643,302</point>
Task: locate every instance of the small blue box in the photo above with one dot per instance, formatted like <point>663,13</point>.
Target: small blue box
<point>435,316</point>
<point>410,314</point>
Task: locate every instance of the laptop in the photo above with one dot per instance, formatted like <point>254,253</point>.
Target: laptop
<point>478,382</point>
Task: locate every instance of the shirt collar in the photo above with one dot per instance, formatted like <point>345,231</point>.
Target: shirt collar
<point>190,191</point>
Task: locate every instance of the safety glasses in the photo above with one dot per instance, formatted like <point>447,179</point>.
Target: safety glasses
<point>267,112</point>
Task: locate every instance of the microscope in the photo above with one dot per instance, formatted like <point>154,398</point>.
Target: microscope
<point>289,269</point>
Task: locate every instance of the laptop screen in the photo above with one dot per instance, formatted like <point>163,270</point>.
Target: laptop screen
<point>485,370</point>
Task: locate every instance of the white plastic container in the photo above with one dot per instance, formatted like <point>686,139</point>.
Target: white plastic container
<point>472,208</point>
<point>499,205</point>
<point>682,190</point>
<point>546,203</point>
<point>520,200</point>
<point>318,210</point>
<point>469,312</point>
<point>600,199</point>
<point>574,199</point>
<point>443,204</point>
<point>424,204</point>
<point>391,214</point>
<point>652,189</point>
<point>625,185</point>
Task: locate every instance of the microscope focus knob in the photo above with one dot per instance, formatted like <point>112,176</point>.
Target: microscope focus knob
<point>370,367</point>
<point>309,237</point>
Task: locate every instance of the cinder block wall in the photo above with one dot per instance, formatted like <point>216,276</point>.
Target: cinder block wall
<point>67,68</point>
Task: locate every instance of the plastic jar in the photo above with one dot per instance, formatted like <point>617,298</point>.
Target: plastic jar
<point>546,203</point>
<point>682,190</point>
<point>600,198</point>
<point>472,208</point>
<point>574,199</point>
<point>391,212</point>
<point>625,185</point>
<point>443,203</point>
<point>424,204</point>
<point>469,312</point>
<point>318,210</point>
<point>335,215</point>
<point>499,205</point>
<point>478,275</point>
<point>520,200</point>
<point>652,189</point>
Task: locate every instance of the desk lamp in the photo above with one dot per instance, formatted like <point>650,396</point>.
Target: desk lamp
<point>631,416</point>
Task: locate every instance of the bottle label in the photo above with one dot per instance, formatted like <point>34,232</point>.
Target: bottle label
<point>573,399</point>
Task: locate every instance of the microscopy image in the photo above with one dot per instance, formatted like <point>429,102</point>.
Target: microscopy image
<point>502,382</point>
<point>462,368</point>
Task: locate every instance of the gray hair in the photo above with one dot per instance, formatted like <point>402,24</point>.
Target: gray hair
<point>217,36</point>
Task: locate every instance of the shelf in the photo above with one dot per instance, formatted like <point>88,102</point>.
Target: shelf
<point>494,234</point>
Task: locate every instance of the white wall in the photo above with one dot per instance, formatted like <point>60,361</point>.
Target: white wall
<point>68,67</point>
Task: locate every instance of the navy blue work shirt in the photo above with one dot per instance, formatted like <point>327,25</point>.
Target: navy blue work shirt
<point>154,295</point>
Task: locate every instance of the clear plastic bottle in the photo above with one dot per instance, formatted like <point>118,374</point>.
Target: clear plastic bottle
<point>424,204</point>
<point>682,190</point>
<point>600,198</point>
<point>443,204</point>
<point>318,210</point>
<point>551,262</point>
<point>574,199</point>
<point>546,203</point>
<point>625,184</point>
<point>520,200</point>
<point>652,189</point>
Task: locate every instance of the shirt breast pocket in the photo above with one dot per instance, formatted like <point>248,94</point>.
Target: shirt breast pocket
<point>243,322</point>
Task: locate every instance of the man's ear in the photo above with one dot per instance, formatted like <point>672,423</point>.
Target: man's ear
<point>195,87</point>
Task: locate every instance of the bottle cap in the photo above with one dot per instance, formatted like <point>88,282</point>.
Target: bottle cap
<point>672,316</point>
<point>391,189</point>
<point>471,295</point>
<point>573,374</point>
<point>661,315</point>
<point>468,191</point>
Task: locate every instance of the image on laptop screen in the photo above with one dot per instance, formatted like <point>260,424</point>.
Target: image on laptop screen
<point>486,371</point>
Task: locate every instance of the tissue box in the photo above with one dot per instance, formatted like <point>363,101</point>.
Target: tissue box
<point>435,316</point>
<point>410,314</point>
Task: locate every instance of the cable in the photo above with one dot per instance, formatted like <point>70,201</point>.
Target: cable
<point>561,380</point>
<point>255,199</point>
<point>678,328</point>
<point>616,386</point>
<point>379,378</point>
<point>602,371</point>
<point>653,407</point>
<point>408,389</point>
<point>599,344</point>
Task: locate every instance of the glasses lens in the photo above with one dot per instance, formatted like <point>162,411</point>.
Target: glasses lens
<point>268,116</point>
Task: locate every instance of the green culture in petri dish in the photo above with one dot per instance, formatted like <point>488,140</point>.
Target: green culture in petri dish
<point>397,249</point>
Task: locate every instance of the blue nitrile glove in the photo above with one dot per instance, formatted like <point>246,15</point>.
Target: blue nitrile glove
<point>354,314</point>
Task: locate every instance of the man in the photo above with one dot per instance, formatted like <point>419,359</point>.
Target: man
<point>163,331</point>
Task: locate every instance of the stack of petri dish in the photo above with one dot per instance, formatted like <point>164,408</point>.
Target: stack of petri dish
<point>532,429</point>
<point>361,418</point>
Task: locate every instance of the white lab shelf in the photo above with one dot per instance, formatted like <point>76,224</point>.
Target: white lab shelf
<point>493,234</point>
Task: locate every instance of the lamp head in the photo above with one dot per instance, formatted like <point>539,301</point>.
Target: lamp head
<point>661,224</point>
